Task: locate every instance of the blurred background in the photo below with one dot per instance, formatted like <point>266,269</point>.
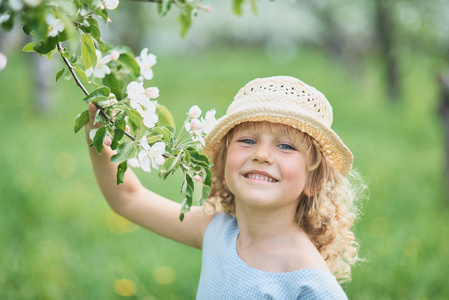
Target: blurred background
<point>382,64</point>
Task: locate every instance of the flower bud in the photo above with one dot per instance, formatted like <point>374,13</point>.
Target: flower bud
<point>107,141</point>
<point>196,125</point>
<point>115,55</point>
<point>159,161</point>
<point>152,92</point>
<point>198,178</point>
<point>207,8</point>
<point>127,129</point>
<point>194,112</point>
<point>101,6</point>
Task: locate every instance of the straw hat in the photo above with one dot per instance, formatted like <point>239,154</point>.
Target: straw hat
<point>289,101</point>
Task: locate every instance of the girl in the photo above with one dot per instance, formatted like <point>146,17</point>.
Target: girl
<point>283,206</point>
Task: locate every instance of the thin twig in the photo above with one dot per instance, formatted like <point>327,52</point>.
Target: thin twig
<point>78,83</point>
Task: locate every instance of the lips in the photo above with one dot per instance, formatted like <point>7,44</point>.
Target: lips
<point>259,176</point>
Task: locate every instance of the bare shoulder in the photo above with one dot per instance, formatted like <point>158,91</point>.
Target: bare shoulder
<point>304,255</point>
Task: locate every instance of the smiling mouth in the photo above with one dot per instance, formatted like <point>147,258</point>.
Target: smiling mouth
<point>260,177</point>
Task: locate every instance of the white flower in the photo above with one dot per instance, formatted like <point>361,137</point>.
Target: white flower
<point>152,92</point>
<point>32,3</point>
<point>3,61</point>
<point>101,69</point>
<point>16,5</point>
<point>92,133</point>
<point>136,94</point>
<point>196,134</point>
<point>194,112</point>
<point>149,114</point>
<point>209,121</point>
<point>115,54</point>
<point>149,155</point>
<point>196,125</point>
<point>133,163</point>
<point>110,4</point>
<point>54,25</point>
<point>146,62</point>
<point>159,161</point>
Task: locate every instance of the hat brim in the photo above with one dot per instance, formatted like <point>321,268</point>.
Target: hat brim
<point>330,143</point>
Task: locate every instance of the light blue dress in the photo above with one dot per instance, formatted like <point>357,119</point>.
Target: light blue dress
<point>225,276</point>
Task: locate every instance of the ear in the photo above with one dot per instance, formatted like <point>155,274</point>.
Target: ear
<point>308,191</point>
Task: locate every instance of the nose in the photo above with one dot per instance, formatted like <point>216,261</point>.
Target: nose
<point>262,154</point>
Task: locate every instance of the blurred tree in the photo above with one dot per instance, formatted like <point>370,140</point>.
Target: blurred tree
<point>386,38</point>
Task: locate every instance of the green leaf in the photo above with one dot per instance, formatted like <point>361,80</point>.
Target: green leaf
<point>205,194</point>
<point>59,74</point>
<point>46,45</point>
<point>237,7</point>
<point>116,86</point>
<point>134,117</point>
<point>254,7</point>
<point>185,19</point>
<point>9,23</point>
<point>88,51</point>
<point>170,165</point>
<point>121,169</point>
<point>99,138</point>
<point>124,152</point>
<point>165,116</point>
<point>119,132</point>
<point>100,92</point>
<point>73,59</point>
<point>81,120</point>
<point>166,135</point>
<point>129,62</point>
<point>81,73</point>
<point>29,47</point>
<point>164,7</point>
<point>94,28</point>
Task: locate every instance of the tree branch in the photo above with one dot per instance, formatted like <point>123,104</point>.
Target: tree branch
<point>78,83</point>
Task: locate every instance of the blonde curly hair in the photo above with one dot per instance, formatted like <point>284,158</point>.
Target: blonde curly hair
<point>327,216</point>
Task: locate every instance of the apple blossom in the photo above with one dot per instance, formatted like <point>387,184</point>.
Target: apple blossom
<point>127,129</point>
<point>115,54</point>
<point>3,61</point>
<point>148,155</point>
<point>146,62</point>
<point>101,69</point>
<point>54,25</point>
<point>133,163</point>
<point>209,121</point>
<point>16,5</point>
<point>194,112</point>
<point>136,94</point>
<point>197,178</point>
<point>159,161</point>
<point>149,114</point>
<point>111,4</point>
<point>152,92</point>
<point>196,125</point>
<point>92,133</point>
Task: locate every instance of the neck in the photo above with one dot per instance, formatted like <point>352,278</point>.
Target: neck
<point>259,225</point>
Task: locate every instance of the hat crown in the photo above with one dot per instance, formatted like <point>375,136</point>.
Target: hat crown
<point>284,92</point>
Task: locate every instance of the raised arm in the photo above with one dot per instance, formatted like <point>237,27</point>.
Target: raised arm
<point>140,205</point>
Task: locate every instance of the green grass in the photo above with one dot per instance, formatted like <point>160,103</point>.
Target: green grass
<point>59,239</point>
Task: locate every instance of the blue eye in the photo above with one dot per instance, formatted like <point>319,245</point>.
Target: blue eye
<point>247,141</point>
<point>286,147</point>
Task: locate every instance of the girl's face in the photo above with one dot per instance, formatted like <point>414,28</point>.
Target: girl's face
<point>264,167</point>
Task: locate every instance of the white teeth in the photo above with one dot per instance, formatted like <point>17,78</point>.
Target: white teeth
<point>260,177</point>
